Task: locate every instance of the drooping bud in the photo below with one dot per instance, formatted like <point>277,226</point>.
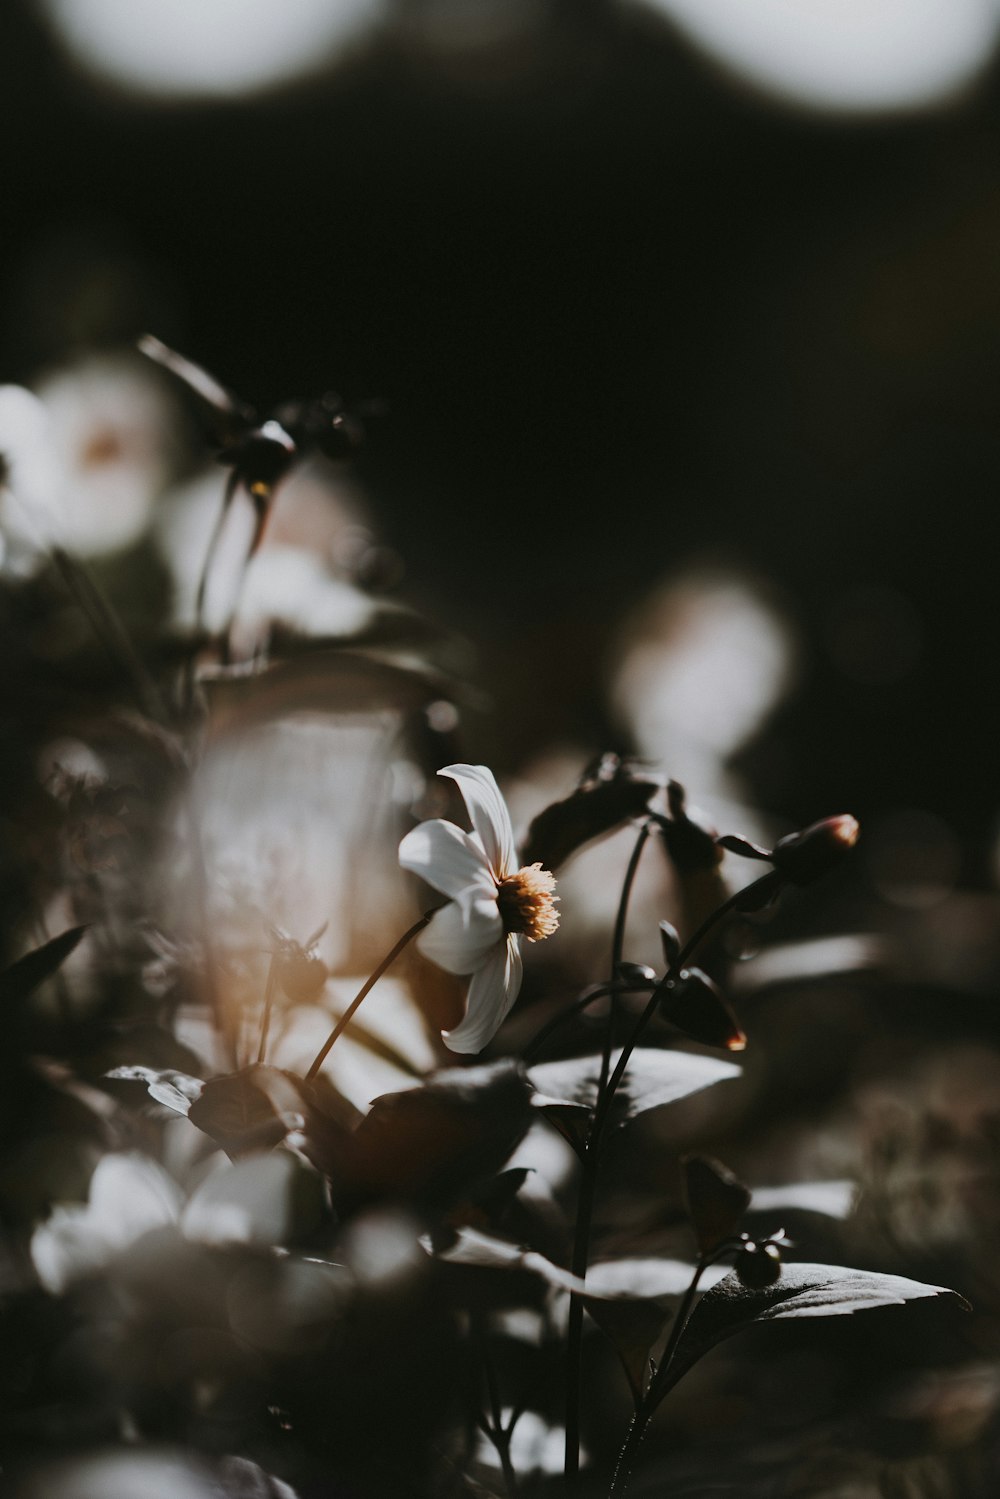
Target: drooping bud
<point>717,1200</point>
<point>698,1007</point>
<point>806,855</point>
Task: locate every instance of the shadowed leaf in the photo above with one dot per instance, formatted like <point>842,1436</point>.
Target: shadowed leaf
<point>24,977</point>
<point>597,807</point>
<point>717,1200</point>
<point>249,1110</point>
<point>433,1144</point>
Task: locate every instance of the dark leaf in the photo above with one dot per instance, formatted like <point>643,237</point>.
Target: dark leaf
<point>598,806</point>
<point>432,1144</point>
<point>800,1291</point>
<point>249,1110</point>
<point>571,1119</point>
<point>24,977</point>
<point>671,942</point>
<point>717,1200</point>
<point>697,1006</point>
<point>743,847</point>
<point>652,1079</point>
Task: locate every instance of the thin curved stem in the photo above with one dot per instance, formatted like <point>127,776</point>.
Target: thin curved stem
<point>595,992</point>
<point>591,1161</point>
<point>588,1180</point>
<point>365,989</point>
<point>265,1024</point>
<point>641,1419</point>
<point>675,968</point>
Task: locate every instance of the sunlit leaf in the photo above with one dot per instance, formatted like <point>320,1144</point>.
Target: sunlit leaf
<point>129,1195</point>
<point>834,1198</point>
<point>263,1200</point>
<point>653,1079</point>
<point>176,1090</point>
<point>800,1291</point>
<point>485,1252</point>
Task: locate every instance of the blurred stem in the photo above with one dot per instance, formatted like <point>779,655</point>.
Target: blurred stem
<point>498,1434</point>
<point>365,989</point>
<point>265,1024</point>
<point>588,1180</point>
<point>110,631</point>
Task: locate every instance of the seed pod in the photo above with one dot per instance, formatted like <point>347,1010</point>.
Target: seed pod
<point>758,1265</point>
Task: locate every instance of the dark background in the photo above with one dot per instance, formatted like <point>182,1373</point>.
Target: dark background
<point>626,316</point>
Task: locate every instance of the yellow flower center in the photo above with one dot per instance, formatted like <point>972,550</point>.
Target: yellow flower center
<point>527,904</point>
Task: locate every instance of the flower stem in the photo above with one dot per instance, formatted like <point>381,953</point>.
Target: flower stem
<point>595,992</point>
<point>498,1434</point>
<point>640,1421</point>
<point>588,1181</point>
<point>265,1024</point>
<point>365,989</point>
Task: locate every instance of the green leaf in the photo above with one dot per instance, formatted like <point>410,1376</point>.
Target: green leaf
<point>800,1291</point>
<point>653,1079</point>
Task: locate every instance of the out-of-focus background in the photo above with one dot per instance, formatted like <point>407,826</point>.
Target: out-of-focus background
<point>683,295</point>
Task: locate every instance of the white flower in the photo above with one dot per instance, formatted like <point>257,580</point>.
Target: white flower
<point>493,903</point>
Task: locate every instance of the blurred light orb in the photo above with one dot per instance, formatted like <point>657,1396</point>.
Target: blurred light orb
<point>851,55</point>
<point>708,659</point>
<point>205,48</point>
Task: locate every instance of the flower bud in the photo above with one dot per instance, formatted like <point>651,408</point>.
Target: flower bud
<point>804,856</point>
<point>697,1006</point>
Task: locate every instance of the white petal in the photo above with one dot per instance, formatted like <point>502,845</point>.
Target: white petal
<point>492,991</point>
<point>461,936</point>
<point>450,860</point>
<point>488,811</point>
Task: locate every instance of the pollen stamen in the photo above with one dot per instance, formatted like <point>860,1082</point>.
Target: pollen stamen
<point>527,904</point>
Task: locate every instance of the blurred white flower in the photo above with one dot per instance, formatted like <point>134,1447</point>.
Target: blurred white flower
<point>85,458</point>
<point>492,905</point>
